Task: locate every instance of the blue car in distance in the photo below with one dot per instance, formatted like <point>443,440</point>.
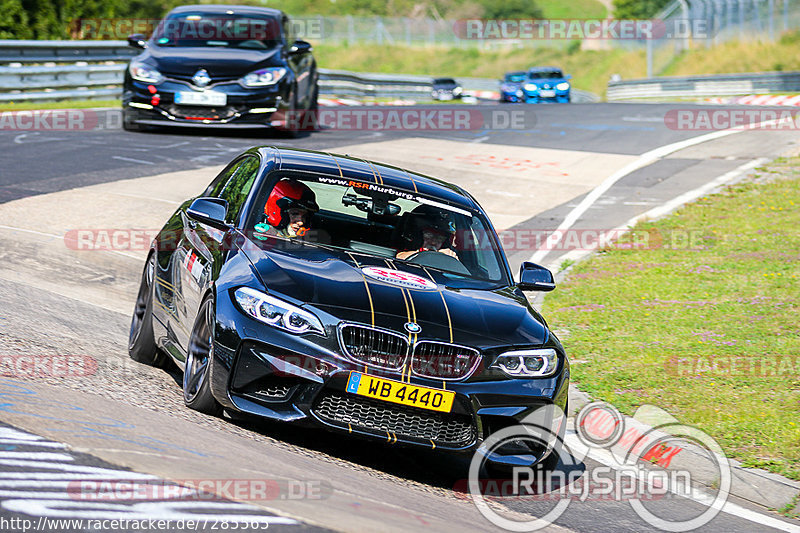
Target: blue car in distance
<point>511,86</point>
<point>546,84</point>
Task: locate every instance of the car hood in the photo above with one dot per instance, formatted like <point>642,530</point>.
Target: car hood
<point>218,62</point>
<point>470,313</point>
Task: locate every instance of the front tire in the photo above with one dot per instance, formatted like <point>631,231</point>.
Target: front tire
<point>141,339</point>
<point>196,374</point>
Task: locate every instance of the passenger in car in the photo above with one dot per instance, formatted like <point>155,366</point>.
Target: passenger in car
<point>428,230</point>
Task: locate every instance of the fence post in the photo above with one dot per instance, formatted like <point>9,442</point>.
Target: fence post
<point>785,15</point>
<point>351,30</point>
<point>771,7</point>
<point>741,18</point>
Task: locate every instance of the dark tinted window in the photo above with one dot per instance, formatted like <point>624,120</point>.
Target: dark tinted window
<point>234,184</point>
<point>218,30</point>
<point>546,74</point>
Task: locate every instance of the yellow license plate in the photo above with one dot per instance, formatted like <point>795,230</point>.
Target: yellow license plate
<point>402,393</point>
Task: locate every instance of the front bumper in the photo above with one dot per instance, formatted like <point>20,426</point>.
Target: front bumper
<point>562,97</point>
<point>244,108</point>
<point>267,373</point>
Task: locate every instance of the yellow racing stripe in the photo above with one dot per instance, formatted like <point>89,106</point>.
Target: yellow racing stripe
<point>366,286</point>
<point>337,165</point>
<point>414,183</point>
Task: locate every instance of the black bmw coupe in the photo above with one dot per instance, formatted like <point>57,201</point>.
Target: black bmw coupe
<point>223,66</point>
<point>321,289</point>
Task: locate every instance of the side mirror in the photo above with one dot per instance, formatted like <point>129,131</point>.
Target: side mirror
<point>568,76</point>
<point>209,211</point>
<point>137,40</point>
<point>300,47</point>
<point>533,277</point>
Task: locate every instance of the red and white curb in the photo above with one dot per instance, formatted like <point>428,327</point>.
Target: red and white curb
<point>760,99</point>
<point>332,102</point>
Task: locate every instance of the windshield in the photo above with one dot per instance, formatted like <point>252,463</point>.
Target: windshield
<point>545,74</point>
<point>515,77</point>
<point>379,221</point>
<point>218,30</point>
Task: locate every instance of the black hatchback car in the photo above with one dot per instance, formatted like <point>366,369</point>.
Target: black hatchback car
<point>325,290</point>
<point>445,89</point>
<point>224,66</point>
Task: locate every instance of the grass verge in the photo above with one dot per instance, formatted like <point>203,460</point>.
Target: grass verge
<point>703,320</point>
<point>590,69</point>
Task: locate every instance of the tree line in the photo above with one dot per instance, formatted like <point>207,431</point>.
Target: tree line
<point>46,19</point>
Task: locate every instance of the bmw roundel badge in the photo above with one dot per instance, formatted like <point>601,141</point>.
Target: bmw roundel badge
<point>412,327</point>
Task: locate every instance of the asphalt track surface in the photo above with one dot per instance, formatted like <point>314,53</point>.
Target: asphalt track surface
<point>131,418</point>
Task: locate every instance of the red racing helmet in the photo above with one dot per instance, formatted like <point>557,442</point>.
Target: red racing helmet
<point>285,195</point>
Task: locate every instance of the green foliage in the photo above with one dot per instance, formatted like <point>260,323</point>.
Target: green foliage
<point>14,20</point>
<point>573,47</point>
<point>638,9</point>
<point>511,9</point>
<point>790,37</point>
<point>574,9</point>
<point>45,19</point>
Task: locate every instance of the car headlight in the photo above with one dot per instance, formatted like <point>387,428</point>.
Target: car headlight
<point>263,77</point>
<point>519,92</point>
<point>532,87</point>
<point>537,363</point>
<point>145,73</point>
<point>457,90</point>
<point>278,313</point>
<point>563,86</point>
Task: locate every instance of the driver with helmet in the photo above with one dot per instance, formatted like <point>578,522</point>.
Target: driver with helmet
<point>288,210</point>
<point>429,230</point>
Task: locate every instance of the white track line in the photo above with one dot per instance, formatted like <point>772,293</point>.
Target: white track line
<point>643,160</point>
<point>661,210</point>
<point>34,232</point>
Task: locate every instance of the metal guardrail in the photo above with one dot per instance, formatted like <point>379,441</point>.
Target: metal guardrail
<point>669,87</point>
<point>63,70</point>
<point>51,70</point>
